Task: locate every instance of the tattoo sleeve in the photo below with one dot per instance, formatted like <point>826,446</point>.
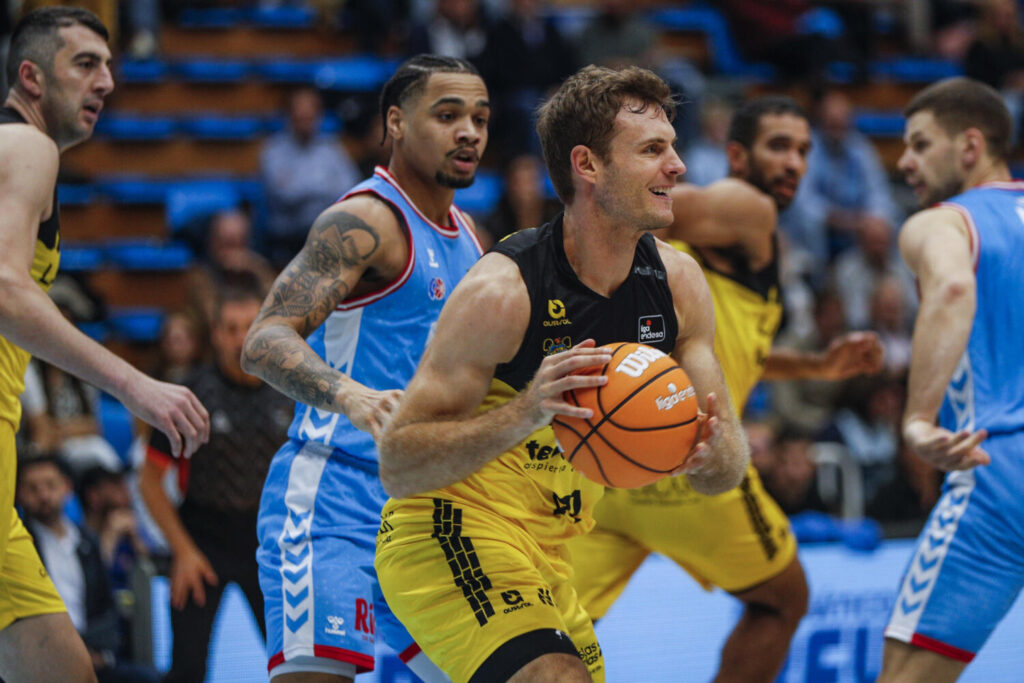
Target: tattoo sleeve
<point>338,250</point>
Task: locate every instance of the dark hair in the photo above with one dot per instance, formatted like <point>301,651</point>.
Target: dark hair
<point>411,78</point>
<point>583,111</point>
<point>747,118</point>
<point>239,287</point>
<point>37,40</point>
<point>961,103</point>
<point>94,477</point>
<point>28,462</point>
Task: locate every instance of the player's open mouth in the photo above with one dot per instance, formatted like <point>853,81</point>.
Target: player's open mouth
<point>465,159</point>
<point>93,108</point>
<point>662,192</point>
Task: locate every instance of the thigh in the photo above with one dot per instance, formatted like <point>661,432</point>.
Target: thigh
<point>903,663</point>
<point>968,566</point>
<point>603,561</point>
<point>736,540</point>
<point>8,479</point>
<point>466,583</point>
<point>25,588</point>
<point>316,531</point>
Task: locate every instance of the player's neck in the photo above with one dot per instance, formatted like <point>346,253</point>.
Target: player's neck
<point>431,199</point>
<point>29,110</point>
<point>991,172</point>
<point>599,251</point>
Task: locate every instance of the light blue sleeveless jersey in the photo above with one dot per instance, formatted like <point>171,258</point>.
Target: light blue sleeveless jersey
<point>378,339</point>
<point>986,389</point>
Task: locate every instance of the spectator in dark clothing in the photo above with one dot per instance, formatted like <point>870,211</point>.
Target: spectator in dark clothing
<point>996,56</point>
<point>792,481</point>
<point>525,56</point>
<point>72,557</point>
<point>213,534</point>
<point>457,29</point>
<point>522,203</point>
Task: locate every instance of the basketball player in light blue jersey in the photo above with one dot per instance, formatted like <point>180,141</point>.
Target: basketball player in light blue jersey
<point>342,332</point>
<point>967,251</point>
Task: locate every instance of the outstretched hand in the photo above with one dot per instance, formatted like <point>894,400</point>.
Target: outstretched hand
<point>852,354</point>
<point>371,410</point>
<point>944,449</point>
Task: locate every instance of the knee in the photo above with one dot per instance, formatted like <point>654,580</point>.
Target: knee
<point>784,598</point>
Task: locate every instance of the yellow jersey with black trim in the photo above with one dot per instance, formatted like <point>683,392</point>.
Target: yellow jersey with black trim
<point>748,312</point>
<point>45,261</point>
<point>532,484</point>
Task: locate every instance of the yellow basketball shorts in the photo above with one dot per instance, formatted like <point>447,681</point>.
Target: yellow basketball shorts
<point>25,588</point>
<point>477,592</point>
<point>736,540</point>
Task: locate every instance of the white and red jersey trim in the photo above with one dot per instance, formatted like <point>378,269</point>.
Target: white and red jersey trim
<point>1014,184</point>
<point>468,227</point>
<point>453,231</point>
<point>973,237</point>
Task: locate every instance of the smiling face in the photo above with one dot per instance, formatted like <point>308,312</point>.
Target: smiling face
<point>633,184</point>
<point>777,161</point>
<point>442,131</point>
<point>76,86</point>
<point>930,162</point>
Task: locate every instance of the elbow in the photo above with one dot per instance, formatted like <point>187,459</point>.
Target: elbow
<point>393,476</point>
<point>249,358</point>
<point>956,291</point>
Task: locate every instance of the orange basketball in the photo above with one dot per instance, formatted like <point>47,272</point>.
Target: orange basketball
<point>644,422</point>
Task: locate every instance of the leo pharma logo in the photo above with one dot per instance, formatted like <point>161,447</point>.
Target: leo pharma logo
<point>557,313</point>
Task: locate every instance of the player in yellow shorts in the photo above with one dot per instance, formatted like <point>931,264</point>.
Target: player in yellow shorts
<point>471,552</point>
<point>739,541</point>
<point>59,70</point>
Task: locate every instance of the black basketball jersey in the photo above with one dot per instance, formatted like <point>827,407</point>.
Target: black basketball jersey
<point>564,311</point>
<point>532,483</point>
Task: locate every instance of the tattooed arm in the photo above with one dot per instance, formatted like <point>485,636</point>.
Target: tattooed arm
<point>352,247</point>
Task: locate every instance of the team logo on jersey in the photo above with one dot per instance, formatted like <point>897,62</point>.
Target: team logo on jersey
<point>556,345</point>
<point>436,289</point>
<point>557,313</point>
<point>651,329</point>
<point>335,624</point>
<point>431,259</point>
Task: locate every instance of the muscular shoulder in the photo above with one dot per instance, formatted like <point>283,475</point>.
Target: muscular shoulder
<point>366,227</point>
<point>679,265</point>
<point>27,152</point>
<point>941,227</point>
<point>492,300</point>
<point>690,294</point>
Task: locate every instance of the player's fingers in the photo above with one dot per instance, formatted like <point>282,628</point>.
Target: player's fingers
<point>711,404</point>
<point>189,432</point>
<point>563,363</point>
<point>556,407</point>
<point>199,416</point>
<point>964,447</point>
<point>210,575</point>
<point>198,591</point>
<point>169,430</point>
<point>564,384</point>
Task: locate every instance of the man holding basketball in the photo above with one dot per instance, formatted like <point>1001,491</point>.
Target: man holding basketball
<point>740,540</point>
<point>472,553</point>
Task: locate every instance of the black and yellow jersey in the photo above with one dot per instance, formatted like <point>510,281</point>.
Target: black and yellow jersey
<point>747,316</point>
<point>532,484</point>
<point>14,360</point>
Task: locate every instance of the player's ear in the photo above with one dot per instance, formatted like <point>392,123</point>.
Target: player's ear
<point>395,122</point>
<point>974,146</point>
<point>739,158</point>
<point>584,163</point>
<point>31,78</point>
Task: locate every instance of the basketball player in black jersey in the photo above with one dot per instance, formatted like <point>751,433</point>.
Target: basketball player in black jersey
<point>59,70</point>
<point>471,554</point>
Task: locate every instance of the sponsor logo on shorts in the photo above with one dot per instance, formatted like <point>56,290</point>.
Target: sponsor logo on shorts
<point>364,617</point>
<point>674,398</point>
<point>544,458</point>
<point>515,601</point>
<point>436,289</point>
<point>652,329</point>
<point>557,313</point>
<point>335,625</point>
<point>556,345</point>
<point>590,654</point>
<point>638,361</point>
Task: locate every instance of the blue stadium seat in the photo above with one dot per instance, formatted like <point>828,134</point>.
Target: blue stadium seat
<point>331,123</point>
<point>136,128</point>
<point>192,201</point>
<point>134,190</point>
<point>148,255</point>
<point>75,195</point>
<point>880,123</point>
<point>211,17</point>
<point>117,426</point>
<point>97,331</point>
<point>355,74</point>
<point>294,17</point>
<point>482,196</point>
<point>219,127</point>
<point>143,71</point>
<point>80,258</point>
<point>289,70</point>
<point>213,70</point>
<point>915,69</point>
<point>136,324</point>
<point>725,56</point>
